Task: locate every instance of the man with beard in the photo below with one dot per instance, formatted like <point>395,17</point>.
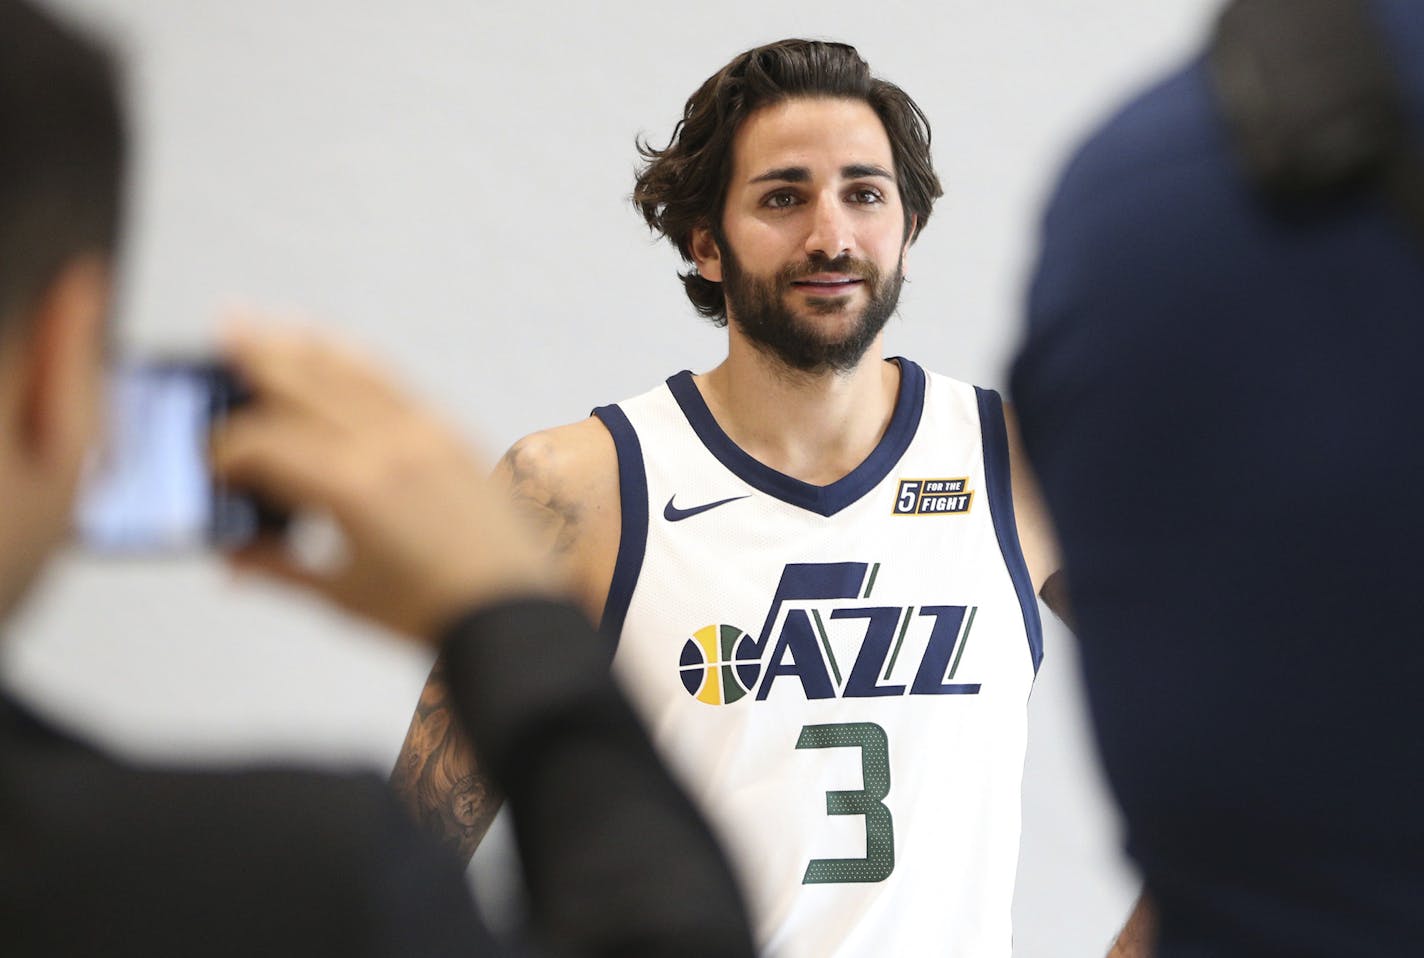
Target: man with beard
<point>818,564</point>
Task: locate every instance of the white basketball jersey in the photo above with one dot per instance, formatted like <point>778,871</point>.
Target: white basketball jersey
<point>838,674</point>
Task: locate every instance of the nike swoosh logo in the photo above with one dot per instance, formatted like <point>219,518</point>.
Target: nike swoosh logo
<point>673,514</point>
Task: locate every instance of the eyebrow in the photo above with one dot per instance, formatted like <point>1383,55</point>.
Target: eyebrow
<point>800,174</point>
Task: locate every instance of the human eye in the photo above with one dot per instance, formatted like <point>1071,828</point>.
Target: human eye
<point>866,195</point>
<point>780,200</point>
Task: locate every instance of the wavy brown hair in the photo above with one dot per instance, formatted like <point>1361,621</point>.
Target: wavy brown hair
<point>684,185</point>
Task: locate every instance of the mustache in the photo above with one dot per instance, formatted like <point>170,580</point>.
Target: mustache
<point>819,263</point>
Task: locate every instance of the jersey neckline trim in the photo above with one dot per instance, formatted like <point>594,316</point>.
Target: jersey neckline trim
<point>822,500</point>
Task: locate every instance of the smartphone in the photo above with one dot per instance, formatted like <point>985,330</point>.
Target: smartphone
<point>148,488</point>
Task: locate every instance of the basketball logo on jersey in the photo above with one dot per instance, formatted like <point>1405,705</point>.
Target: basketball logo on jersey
<point>798,651</point>
<point>719,664</point>
<point>932,497</point>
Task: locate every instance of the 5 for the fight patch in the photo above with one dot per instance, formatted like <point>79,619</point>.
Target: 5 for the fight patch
<point>933,497</point>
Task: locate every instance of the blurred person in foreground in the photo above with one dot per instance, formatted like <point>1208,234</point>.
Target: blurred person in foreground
<point>1222,398</point>
<point>101,857</point>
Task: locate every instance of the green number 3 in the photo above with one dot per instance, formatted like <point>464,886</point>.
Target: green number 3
<point>879,860</point>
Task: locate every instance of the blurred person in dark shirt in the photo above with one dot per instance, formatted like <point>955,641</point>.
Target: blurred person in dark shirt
<point>1222,400</point>
<point>103,857</point>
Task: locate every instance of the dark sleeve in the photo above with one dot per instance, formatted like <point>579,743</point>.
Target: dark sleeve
<point>108,858</point>
<point>617,860</point>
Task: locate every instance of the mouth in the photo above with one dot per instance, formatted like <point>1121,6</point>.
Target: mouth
<point>828,284</point>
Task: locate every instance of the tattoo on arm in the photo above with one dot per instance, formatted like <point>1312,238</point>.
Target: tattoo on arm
<point>437,775</point>
<point>554,515</point>
<point>1055,595</point>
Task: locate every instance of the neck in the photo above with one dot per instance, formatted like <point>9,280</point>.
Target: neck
<point>816,427</point>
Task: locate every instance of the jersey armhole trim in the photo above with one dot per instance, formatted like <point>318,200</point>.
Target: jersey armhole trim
<point>633,504</point>
<point>1001,507</point>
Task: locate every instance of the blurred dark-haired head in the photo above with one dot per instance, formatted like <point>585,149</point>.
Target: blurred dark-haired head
<point>61,167</point>
<point>62,149</point>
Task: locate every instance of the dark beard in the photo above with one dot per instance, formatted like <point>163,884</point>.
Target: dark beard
<point>758,308</point>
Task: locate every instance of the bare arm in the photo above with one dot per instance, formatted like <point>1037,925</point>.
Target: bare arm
<point>1036,536</point>
<point>1055,595</point>
<point>437,773</point>
<point>437,777</point>
<point>1139,936</point>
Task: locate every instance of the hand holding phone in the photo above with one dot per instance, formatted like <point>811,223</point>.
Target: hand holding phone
<point>426,533</point>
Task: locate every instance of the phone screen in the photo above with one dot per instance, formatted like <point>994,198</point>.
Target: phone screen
<point>148,489</point>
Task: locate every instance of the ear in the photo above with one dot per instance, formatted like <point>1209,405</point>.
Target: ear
<point>910,235</point>
<point>706,254</point>
<point>63,354</point>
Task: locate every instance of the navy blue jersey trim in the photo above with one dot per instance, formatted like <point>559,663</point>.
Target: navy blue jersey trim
<point>633,503</point>
<point>822,500</point>
<point>1001,507</point>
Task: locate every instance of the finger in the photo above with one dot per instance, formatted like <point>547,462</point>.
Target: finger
<point>281,366</point>
<point>296,462</point>
<point>311,372</point>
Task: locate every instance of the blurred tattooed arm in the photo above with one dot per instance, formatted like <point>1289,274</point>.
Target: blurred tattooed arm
<point>437,775</point>
<point>564,482</point>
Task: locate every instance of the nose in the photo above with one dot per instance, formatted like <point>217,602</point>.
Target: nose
<point>830,233</point>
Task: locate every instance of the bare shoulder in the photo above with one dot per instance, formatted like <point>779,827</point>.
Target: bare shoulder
<point>568,460</point>
<point>565,481</point>
<point>1035,527</point>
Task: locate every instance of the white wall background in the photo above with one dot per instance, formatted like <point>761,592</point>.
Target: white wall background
<point>447,181</point>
